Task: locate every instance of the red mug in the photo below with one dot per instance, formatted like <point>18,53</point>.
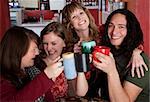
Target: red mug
<point>102,49</point>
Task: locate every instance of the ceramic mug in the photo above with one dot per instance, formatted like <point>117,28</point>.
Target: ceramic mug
<point>69,65</point>
<point>102,49</point>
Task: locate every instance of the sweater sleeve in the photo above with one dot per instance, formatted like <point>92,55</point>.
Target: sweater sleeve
<point>37,87</point>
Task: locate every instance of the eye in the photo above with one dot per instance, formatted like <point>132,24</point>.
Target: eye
<point>122,26</point>
<point>110,25</point>
<point>81,13</point>
<point>73,17</point>
<point>36,49</point>
<point>45,43</point>
<point>54,43</point>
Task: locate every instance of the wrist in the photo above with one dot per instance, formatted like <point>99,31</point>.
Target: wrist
<point>80,73</point>
<point>137,52</point>
<point>113,73</point>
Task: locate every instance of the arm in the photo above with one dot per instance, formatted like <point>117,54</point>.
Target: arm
<point>82,85</point>
<point>132,90</point>
<point>128,92</point>
<point>117,92</point>
<point>38,86</point>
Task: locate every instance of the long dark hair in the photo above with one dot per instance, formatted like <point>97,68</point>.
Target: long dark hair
<point>132,40</point>
<point>14,45</point>
<point>134,35</point>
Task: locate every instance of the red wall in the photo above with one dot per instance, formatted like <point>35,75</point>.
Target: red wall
<point>141,10</point>
<point>94,13</point>
<point>4,17</point>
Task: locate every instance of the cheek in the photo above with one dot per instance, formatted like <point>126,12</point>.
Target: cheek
<point>45,47</point>
<point>24,62</point>
<point>60,47</point>
<point>74,23</point>
<point>124,33</point>
<point>110,32</point>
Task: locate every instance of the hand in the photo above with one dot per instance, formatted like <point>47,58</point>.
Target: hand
<point>49,61</point>
<point>77,47</point>
<point>53,70</point>
<point>90,57</point>
<point>107,63</point>
<point>138,64</point>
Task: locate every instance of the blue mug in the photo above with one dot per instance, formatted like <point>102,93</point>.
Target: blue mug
<point>69,65</point>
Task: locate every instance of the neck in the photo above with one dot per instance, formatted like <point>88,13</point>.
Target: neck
<point>84,34</point>
<point>117,47</point>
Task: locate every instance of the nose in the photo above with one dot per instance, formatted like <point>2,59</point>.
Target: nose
<point>115,30</point>
<point>79,17</point>
<point>37,51</point>
<point>49,47</point>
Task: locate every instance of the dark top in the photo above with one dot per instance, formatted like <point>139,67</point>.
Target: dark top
<point>142,83</point>
<point>98,83</point>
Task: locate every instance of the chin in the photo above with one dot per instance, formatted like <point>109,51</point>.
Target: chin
<point>54,57</point>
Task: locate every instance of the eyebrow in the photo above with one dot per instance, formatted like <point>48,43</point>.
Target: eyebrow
<point>118,24</point>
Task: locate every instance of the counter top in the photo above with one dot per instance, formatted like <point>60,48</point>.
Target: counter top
<point>16,9</point>
<point>36,24</point>
<point>37,27</point>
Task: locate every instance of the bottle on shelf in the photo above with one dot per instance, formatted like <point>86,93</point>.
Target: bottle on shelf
<point>42,7</point>
<point>41,18</point>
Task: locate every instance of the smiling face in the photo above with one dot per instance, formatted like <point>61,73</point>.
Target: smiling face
<point>28,59</point>
<point>79,20</point>
<point>117,29</point>
<point>53,45</point>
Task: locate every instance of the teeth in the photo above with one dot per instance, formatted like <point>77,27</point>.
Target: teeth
<point>82,22</point>
<point>115,37</point>
<point>52,52</point>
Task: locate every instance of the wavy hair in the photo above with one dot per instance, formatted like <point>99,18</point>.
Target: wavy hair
<point>66,16</point>
<point>58,29</point>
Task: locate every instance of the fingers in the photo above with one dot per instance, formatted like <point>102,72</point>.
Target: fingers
<point>90,58</point>
<point>138,72</point>
<point>47,53</point>
<point>138,66</point>
<point>79,42</point>
<point>132,71</point>
<point>102,57</point>
<point>96,64</point>
<point>145,66</point>
<point>57,59</point>
<point>142,71</point>
<point>59,64</point>
<point>77,48</point>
